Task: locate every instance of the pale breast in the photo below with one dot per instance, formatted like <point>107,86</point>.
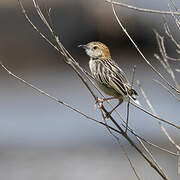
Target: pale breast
<point>92,66</point>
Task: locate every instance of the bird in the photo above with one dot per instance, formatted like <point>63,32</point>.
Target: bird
<point>109,77</point>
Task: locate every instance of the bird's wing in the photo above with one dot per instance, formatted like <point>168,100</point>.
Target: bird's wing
<point>110,74</point>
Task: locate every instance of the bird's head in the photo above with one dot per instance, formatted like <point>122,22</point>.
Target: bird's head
<point>97,50</point>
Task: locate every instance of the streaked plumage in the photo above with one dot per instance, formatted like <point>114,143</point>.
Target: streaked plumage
<point>109,77</point>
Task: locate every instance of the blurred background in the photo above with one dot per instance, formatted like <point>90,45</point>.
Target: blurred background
<point>40,139</point>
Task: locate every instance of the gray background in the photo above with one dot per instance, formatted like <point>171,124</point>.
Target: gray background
<point>40,139</point>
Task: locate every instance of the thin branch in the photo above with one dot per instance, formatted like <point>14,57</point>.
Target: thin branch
<point>54,98</point>
<point>156,117</point>
<point>177,98</point>
<point>142,9</point>
<point>152,157</point>
<point>122,147</point>
<point>132,81</point>
<point>175,19</point>
<point>146,141</point>
<point>135,146</point>
<point>48,11</point>
<point>154,112</point>
<point>174,5</point>
<point>45,93</point>
<point>68,59</point>
<point>169,34</point>
<point>137,48</point>
<point>149,153</point>
<point>150,143</point>
<point>41,15</point>
<point>35,27</point>
<point>166,65</point>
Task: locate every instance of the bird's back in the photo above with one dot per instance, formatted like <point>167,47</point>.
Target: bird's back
<point>111,78</point>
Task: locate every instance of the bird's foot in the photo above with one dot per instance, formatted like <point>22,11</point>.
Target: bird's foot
<point>99,102</point>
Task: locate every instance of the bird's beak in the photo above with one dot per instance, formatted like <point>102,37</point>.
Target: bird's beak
<point>83,46</point>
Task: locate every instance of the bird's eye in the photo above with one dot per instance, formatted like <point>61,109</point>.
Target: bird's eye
<point>95,47</point>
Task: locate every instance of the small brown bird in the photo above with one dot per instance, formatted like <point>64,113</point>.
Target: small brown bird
<point>108,76</point>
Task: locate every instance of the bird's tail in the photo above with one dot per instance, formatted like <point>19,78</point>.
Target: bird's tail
<point>133,95</point>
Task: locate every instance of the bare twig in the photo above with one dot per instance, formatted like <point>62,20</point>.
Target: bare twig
<point>169,34</point>
<point>154,166</point>
<point>158,118</point>
<point>139,51</point>
<point>154,112</point>
<point>146,141</point>
<point>46,94</point>
<point>152,157</point>
<point>132,81</point>
<point>175,19</point>
<point>122,147</point>
<point>174,5</point>
<point>54,98</point>
<point>150,143</point>
<point>142,9</point>
<point>177,98</point>
<point>165,63</point>
<point>67,58</point>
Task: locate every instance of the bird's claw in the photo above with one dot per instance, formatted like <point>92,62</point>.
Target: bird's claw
<point>99,102</point>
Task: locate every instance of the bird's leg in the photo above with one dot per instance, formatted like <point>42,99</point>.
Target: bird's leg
<point>101,101</point>
<point>109,113</point>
